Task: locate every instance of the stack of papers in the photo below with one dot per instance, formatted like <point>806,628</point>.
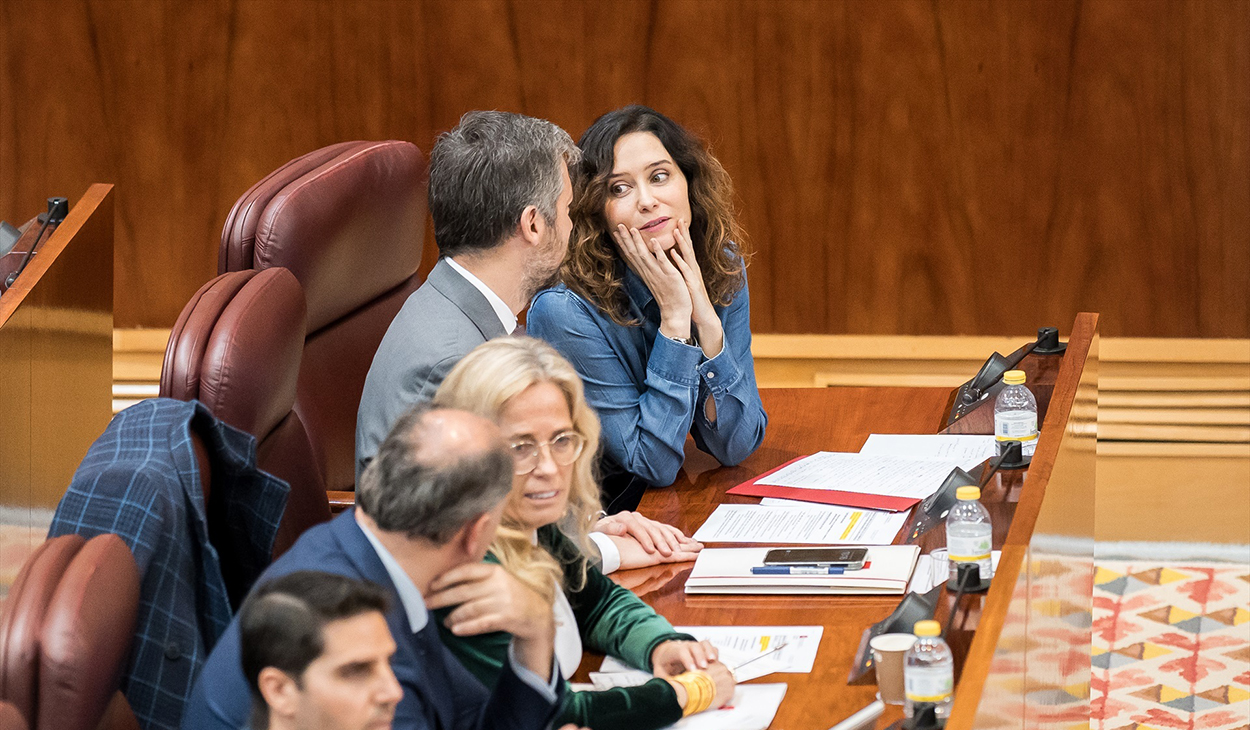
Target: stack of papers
<point>728,570</point>
<point>853,480</point>
<point>967,451</point>
<point>799,523</point>
<point>892,472</point>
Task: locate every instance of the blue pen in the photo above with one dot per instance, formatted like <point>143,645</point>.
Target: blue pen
<point>797,570</point>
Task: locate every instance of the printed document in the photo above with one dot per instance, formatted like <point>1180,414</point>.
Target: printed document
<point>967,451</point>
<point>750,651</point>
<point>801,524</point>
<point>753,708</point>
<point>891,476</point>
<point>729,570</point>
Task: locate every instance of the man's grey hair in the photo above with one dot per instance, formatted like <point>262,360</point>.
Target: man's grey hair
<point>487,170</point>
<point>431,497</point>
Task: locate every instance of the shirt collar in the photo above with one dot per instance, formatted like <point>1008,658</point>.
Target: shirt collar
<point>635,289</point>
<point>409,594</point>
<point>506,317</point>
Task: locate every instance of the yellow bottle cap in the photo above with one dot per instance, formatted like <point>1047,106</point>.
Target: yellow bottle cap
<point>1014,377</point>
<point>927,628</point>
<point>968,493</point>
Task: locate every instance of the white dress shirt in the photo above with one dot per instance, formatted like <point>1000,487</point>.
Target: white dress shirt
<point>505,314</point>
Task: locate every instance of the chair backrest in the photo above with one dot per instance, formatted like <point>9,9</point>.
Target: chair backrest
<point>237,348</point>
<point>349,222</point>
<point>66,632</point>
<point>10,718</point>
<point>22,618</point>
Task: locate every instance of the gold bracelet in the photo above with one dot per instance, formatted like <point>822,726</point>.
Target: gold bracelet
<point>700,691</point>
<point>710,687</point>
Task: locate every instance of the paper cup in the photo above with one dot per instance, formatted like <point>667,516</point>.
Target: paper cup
<point>887,657</point>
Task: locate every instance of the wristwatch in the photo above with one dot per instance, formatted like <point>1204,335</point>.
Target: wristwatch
<point>683,340</point>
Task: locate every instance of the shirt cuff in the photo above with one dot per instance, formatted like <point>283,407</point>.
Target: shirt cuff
<point>607,551</point>
<point>531,678</point>
<point>673,361</point>
<point>720,372</point>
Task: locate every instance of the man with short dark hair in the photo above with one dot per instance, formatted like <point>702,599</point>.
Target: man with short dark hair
<point>499,199</point>
<point>316,651</point>
<point>426,508</point>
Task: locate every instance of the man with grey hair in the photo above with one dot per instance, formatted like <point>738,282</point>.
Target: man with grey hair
<point>499,198</point>
<point>427,509</point>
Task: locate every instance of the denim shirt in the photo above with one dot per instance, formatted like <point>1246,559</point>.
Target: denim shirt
<point>649,390</point>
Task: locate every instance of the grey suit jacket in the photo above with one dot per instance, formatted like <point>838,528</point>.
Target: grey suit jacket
<point>439,324</point>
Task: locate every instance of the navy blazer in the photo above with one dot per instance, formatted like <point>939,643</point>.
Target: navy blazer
<point>439,693</point>
<point>141,480</point>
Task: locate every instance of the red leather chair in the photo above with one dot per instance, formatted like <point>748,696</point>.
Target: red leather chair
<point>11,719</point>
<point>349,222</point>
<point>65,635</point>
<point>237,348</point>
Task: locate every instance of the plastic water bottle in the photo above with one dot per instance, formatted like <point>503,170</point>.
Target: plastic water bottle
<point>969,534</point>
<point>1015,414</point>
<point>928,671</point>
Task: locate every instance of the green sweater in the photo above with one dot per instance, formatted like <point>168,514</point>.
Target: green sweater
<point>611,620</point>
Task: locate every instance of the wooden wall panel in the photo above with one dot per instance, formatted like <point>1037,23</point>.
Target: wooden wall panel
<point>895,160</point>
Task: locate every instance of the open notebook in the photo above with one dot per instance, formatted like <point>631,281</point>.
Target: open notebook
<point>728,570</point>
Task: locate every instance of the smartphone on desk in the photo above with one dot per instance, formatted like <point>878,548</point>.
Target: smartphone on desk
<point>845,558</point>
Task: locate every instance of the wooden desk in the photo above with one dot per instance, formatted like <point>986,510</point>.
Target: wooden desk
<point>1028,662</point>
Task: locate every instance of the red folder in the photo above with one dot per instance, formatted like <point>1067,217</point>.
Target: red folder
<point>822,496</point>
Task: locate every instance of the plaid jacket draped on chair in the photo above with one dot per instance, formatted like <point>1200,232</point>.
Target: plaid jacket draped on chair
<point>141,480</point>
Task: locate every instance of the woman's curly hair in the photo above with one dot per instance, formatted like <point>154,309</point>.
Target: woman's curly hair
<point>591,267</point>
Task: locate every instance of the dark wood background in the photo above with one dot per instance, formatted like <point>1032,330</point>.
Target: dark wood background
<point>904,167</point>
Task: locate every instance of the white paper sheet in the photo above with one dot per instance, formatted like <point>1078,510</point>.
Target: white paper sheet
<point>745,649</point>
<point>753,707</point>
<point>891,476</point>
<point>740,644</point>
<point>967,450</point>
<point>800,523</point>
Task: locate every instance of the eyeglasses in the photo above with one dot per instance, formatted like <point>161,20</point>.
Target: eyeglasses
<point>564,450</point>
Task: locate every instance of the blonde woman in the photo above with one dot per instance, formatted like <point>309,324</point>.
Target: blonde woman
<point>535,396</point>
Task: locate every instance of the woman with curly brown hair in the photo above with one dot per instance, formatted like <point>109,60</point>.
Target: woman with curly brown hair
<point>652,308</point>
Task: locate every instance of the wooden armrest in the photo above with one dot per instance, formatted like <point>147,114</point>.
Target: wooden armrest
<point>340,501</point>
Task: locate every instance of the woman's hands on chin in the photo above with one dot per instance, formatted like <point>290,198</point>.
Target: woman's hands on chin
<point>661,276</point>
<point>711,334</point>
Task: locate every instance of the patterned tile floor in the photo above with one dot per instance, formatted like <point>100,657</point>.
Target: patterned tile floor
<point>1171,646</point>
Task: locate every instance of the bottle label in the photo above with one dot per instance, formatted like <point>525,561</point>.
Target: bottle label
<point>928,684</point>
<point>1015,426</point>
<point>965,549</point>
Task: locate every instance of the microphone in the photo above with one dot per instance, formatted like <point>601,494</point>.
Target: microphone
<point>58,208</point>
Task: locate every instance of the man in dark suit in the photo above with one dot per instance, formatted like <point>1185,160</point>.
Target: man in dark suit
<point>427,510</point>
<point>499,198</point>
